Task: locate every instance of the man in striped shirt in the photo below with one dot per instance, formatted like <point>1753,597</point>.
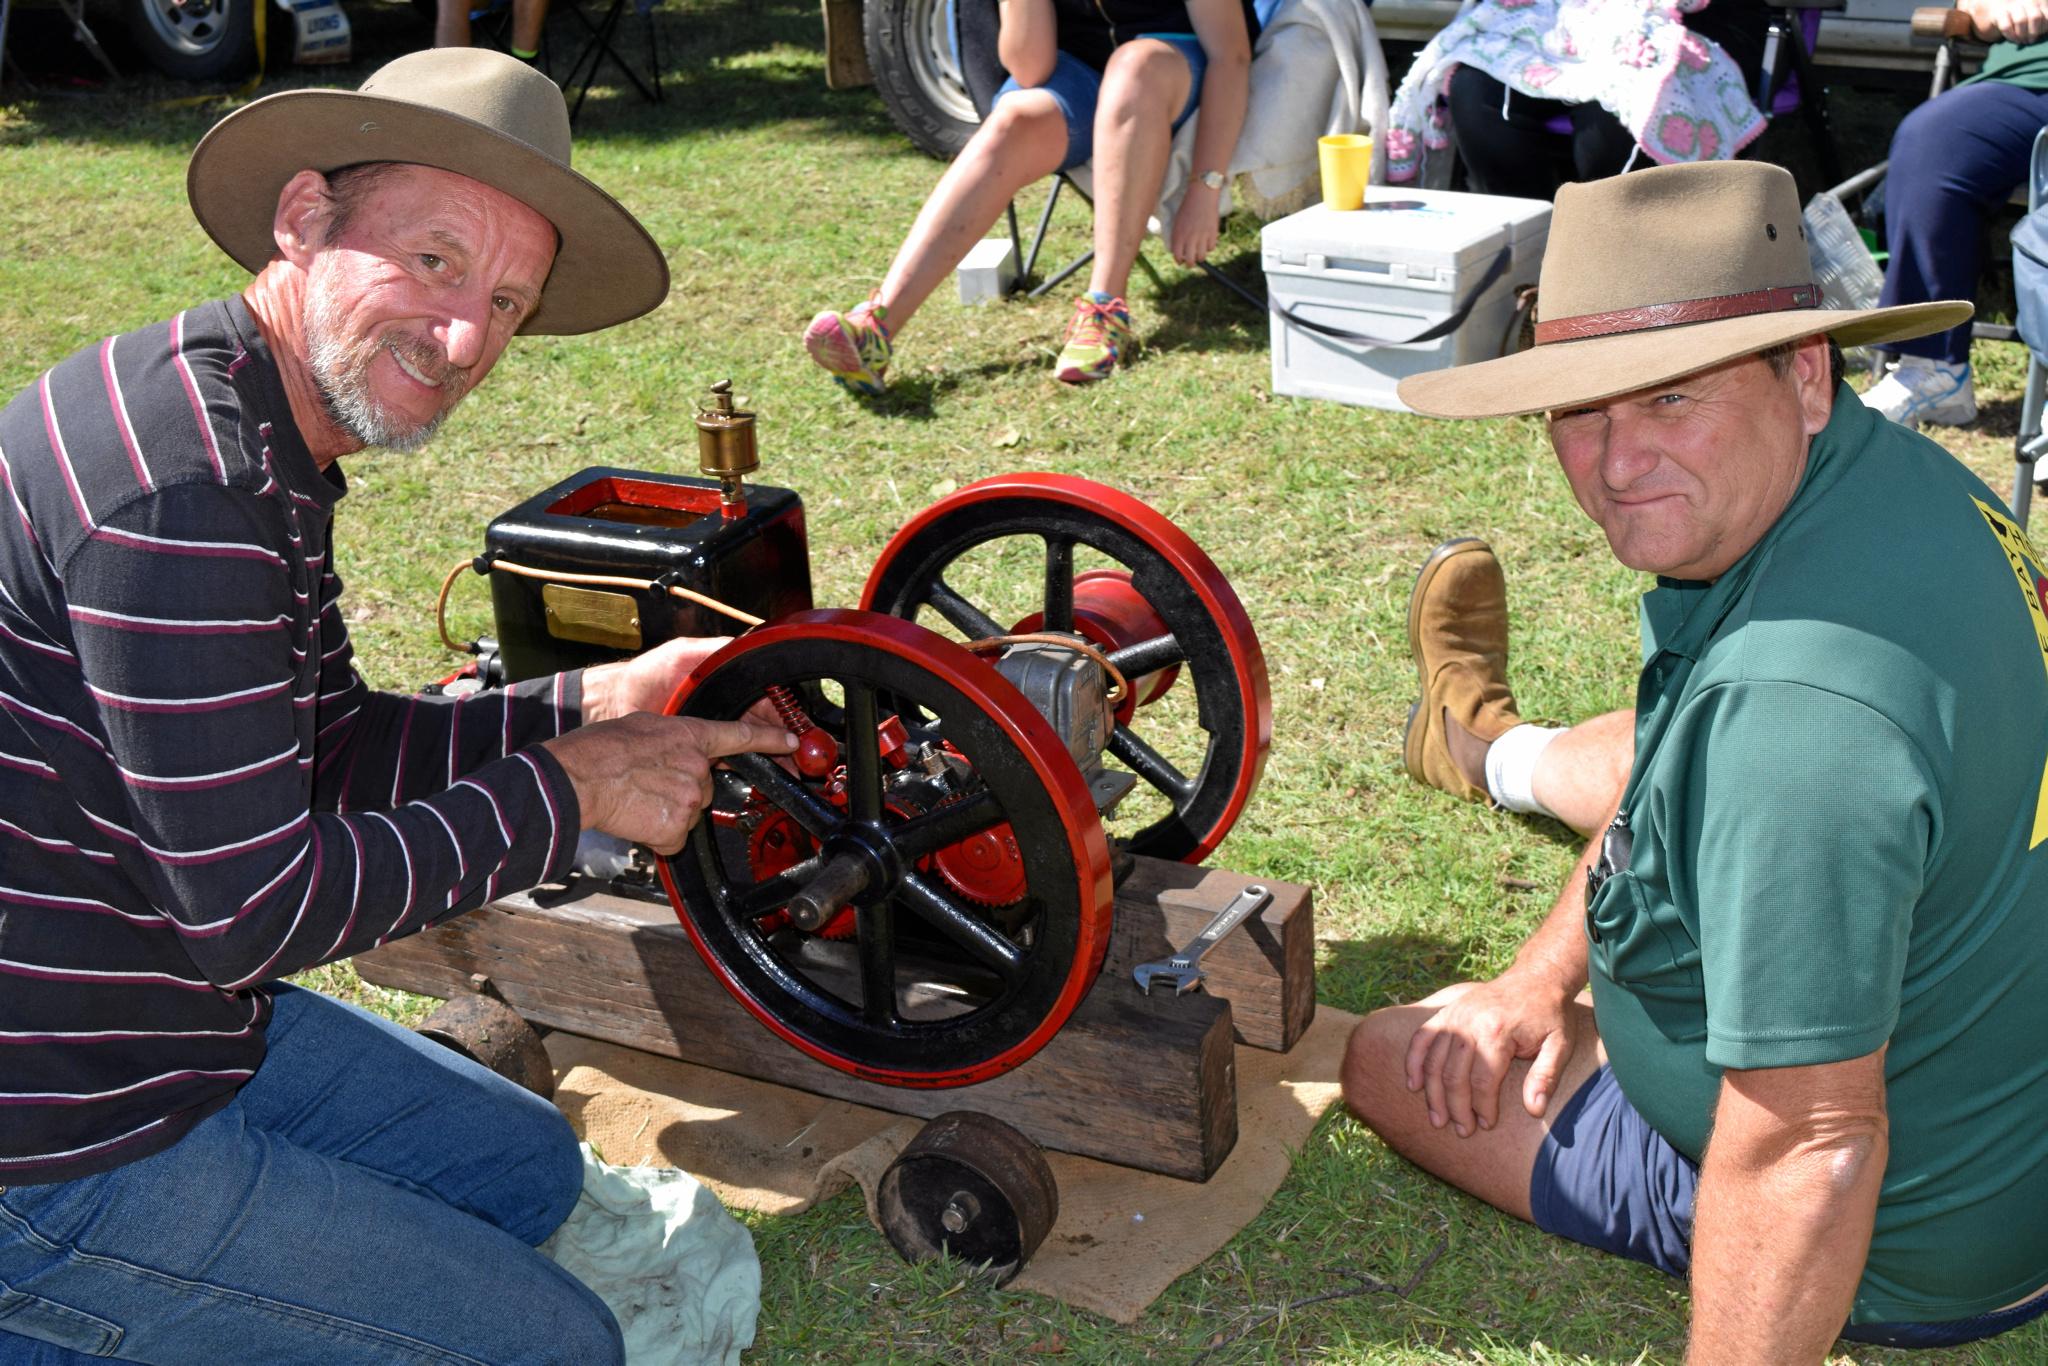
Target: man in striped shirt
<point>198,793</point>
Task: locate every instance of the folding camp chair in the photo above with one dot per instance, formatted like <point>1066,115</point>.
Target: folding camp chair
<point>2030,286</point>
<point>600,43</point>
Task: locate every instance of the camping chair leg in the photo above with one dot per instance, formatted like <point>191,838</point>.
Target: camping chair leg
<point>1150,274</point>
<point>599,47</point>
<point>1233,286</point>
<point>1813,107</point>
<point>1052,199</point>
<point>1079,261</point>
<point>2027,446</point>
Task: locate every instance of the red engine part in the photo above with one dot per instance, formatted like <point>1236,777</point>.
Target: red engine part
<point>1028,790</point>
<point>1110,613</point>
<point>1222,657</point>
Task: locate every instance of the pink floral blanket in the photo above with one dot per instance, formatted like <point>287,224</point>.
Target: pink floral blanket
<point>1679,93</point>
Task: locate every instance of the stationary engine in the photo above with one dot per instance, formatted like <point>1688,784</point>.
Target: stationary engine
<point>922,894</point>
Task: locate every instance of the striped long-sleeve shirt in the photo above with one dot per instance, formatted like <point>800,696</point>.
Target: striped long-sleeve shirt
<point>198,793</point>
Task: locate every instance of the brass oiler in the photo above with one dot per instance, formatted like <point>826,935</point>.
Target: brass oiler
<point>725,447</point>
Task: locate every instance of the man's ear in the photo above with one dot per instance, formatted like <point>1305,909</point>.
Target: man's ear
<point>303,209</point>
<point>1813,373</point>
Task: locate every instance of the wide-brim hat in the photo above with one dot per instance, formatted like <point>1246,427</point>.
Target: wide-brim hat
<point>1657,274</point>
<point>475,112</point>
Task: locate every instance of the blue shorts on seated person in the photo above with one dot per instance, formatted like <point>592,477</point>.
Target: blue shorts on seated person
<point>1605,1178</point>
<point>1074,86</point>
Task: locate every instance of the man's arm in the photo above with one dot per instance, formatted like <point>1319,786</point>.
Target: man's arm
<point>1226,90</point>
<point>1787,1198</point>
<point>1461,1055</point>
<point>2015,21</point>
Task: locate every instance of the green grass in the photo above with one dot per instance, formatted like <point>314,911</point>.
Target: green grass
<point>775,197</point>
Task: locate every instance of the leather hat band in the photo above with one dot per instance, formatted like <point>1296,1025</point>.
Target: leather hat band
<point>1777,300</point>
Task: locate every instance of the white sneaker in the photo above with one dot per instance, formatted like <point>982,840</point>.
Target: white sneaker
<point>1918,390</point>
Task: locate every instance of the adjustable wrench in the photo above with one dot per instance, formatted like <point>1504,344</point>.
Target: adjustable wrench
<point>1183,969</point>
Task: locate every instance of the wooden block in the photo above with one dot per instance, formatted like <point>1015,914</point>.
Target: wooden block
<point>846,46</point>
<point>1266,969</point>
<point>1146,1082</point>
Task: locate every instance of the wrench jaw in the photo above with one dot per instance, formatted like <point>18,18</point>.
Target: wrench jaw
<point>1183,979</point>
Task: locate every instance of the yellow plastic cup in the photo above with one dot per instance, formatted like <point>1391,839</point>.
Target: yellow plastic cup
<point>1346,160</point>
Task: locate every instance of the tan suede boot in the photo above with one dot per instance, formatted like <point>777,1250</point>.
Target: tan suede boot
<point>1458,633</point>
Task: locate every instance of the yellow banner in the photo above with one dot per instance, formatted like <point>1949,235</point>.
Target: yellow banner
<point>2013,541</point>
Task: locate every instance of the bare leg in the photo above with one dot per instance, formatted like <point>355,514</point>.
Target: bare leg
<point>451,23</point>
<point>1144,86</point>
<point>1580,776</point>
<point>1023,139</point>
<point>1494,1164</point>
<point>528,18</point>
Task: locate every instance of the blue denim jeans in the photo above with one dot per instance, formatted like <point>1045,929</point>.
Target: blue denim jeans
<point>368,1196</point>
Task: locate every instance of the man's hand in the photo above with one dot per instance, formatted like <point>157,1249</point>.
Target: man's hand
<point>647,778</point>
<point>2016,21</point>
<point>647,680</point>
<point>1461,1055</point>
<point>1195,226</point>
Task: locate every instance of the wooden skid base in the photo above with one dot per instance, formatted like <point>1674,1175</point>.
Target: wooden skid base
<point>1144,1081</point>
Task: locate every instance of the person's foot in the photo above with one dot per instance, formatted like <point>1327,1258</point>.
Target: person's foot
<point>853,346</point>
<point>1458,633</point>
<point>1917,390</point>
<point>1098,339</point>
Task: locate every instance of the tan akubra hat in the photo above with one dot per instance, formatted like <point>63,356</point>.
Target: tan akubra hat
<point>475,112</point>
<point>1657,274</point>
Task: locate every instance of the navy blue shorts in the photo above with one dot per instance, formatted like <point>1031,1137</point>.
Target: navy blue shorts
<point>1605,1178</point>
<point>1074,86</point>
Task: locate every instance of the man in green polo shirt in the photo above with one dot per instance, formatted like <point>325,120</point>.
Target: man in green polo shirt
<point>1814,916</point>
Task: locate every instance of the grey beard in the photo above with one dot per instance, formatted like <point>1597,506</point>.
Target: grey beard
<point>343,378</point>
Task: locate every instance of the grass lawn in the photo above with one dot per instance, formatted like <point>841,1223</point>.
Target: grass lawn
<point>775,197</point>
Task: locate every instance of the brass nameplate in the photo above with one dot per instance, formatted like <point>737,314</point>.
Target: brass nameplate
<point>593,617</point>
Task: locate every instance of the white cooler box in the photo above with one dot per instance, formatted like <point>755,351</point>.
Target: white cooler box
<point>1392,273</point>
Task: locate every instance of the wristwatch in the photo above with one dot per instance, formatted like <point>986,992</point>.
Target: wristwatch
<point>1213,179</point>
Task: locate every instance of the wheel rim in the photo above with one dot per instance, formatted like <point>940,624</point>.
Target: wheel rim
<point>934,63</point>
<point>193,29</point>
<point>1212,635</point>
<point>930,991</point>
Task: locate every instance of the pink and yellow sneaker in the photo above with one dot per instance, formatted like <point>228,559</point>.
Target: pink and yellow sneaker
<point>1098,338</point>
<point>853,346</point>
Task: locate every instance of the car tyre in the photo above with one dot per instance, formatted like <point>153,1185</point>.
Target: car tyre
<point>911,52</point>
<point>197,40</point>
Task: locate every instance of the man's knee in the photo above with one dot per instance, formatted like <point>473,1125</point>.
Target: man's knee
<point>1375,1062</point>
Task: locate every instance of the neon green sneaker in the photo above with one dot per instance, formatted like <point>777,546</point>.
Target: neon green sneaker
<point>1098,338</point>
<point>853,345</point>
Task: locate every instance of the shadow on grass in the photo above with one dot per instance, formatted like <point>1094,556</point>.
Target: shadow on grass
<point>725,65</point>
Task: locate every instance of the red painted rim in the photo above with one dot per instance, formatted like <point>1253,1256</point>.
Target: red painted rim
<point>1247,659</point>
<point>1033,736</point>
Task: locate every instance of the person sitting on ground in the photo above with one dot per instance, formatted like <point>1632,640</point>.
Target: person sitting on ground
<point>1808,1073</point>
<point>529,17</point>
<point>1101,80</point>
<point>199,795</point>
<point>1954,161</point>
<point>1631,80</point>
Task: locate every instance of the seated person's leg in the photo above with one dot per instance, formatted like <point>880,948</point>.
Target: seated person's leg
<point>1504,140</point>
<point>367,1196</point>
<point>1492,1161</point>
<point>451,23</point>
<point>1601,146</point>
<point>528,18</point>
<point>1148,88</point>
<point>1465,734</point>
<point>1029,134</point>
<point>1954,160</point>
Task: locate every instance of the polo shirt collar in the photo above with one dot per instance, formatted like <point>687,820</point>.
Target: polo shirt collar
<point>1679,616</point>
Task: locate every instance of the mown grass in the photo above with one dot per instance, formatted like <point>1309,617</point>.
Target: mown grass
<point>775,197</point>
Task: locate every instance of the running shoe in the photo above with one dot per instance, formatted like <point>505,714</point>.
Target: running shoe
<point>853,346</point>
<point>1098,338</point>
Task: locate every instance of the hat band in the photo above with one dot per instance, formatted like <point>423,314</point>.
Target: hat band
<point>1776,300</point>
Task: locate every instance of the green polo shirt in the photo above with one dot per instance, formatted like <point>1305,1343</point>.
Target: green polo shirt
<point>1838,809</point>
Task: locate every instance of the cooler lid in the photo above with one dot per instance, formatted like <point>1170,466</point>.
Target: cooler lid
<point>1433,228</point>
